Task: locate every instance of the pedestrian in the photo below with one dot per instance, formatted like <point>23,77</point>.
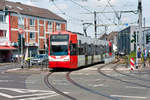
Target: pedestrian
<point>145,56</point>
<point>139,57</point>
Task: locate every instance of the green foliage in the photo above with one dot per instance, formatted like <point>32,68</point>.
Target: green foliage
<point>132,55</point>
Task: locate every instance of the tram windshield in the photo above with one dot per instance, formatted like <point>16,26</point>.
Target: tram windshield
<point>59,44</point>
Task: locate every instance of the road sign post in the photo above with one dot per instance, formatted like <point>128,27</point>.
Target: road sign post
<point>21,32</point>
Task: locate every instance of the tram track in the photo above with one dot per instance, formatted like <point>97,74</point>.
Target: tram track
<point>138,78</point>
<point>118,79</point>
<point>88,89</point>
<point>49,85</point>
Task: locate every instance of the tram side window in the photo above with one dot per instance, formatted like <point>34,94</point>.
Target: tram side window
<point>89,51</point>
<point>73,49</point>
<point>81,50</point>
<point>96,50</point>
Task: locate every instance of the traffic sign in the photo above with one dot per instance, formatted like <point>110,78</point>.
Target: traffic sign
<point>21,30</point>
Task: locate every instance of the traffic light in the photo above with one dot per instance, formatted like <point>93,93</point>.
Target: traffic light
<point>134,38</point>
<point>19,41</point>
<point>48,42</point>
<point>147,39</point>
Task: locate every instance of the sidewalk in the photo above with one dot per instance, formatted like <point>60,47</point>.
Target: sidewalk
<point>28,70</point>
<point>110,67</point>
<point>3,64</point>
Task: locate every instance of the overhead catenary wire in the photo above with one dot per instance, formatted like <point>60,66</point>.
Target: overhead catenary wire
<point>81,6</point>
<point>66,15</point>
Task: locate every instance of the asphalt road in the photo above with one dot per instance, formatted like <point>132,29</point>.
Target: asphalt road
<point>88,84</point>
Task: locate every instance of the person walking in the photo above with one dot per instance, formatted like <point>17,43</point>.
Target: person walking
<point>145,57</point>
<point>139,57</point>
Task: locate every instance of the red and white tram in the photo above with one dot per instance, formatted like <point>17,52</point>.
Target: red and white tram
<point>72,50</point>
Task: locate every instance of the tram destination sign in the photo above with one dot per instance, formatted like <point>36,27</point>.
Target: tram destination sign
<point>59,37</point>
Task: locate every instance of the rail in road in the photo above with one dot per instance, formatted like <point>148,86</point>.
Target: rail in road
<point>54,88</point>
<point>100,93</point>
<point>68,77</point>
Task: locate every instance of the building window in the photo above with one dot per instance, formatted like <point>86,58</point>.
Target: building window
<point>32,35</point>
<point>58,26</point>
<point>20,21</point>
<point>2,18</point>
<point>32,22</point>
<point>2,33</point>
<point>50,26</point>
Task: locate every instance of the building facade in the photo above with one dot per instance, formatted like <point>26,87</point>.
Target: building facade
<point>35,23</point>
<point>125,38</point>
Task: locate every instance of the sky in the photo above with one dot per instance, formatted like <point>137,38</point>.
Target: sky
<point>77,12</point>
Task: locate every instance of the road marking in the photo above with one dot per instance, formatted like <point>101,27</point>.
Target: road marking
<point>38,98</point>
<point>34,94</point>
<point>14,69</point>
<point>6,95</point>
<point>135,87</point>
<point>38,94</point>
<point>6,81</point>
<point>133,97</point>
<point>22,90</point>
<point>97,85</point>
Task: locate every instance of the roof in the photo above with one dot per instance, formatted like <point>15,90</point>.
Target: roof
<point>112,35</point>
<point>103,37</point>
<point>30,10</point>
<point>2,3</point>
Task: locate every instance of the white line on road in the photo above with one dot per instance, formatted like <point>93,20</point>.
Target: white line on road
<point>135,87</point>
<point>6,81</point>
<point>6,95</point>
<point>38,98</point>
<point>39,94</point>
<point>133,97</point>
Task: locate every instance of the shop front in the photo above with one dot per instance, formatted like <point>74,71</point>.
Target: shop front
<point>6,53</point>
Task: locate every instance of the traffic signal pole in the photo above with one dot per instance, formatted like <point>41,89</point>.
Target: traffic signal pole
<point>22,51</point>
<point>140,35</point>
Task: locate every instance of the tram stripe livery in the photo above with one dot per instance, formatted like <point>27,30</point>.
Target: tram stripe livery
<point>73,50</point>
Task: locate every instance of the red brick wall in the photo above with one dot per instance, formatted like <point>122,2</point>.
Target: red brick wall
<point>46,26</point>
<point>14,21</point>
<point>14,36</point>
<point>63,27</point>
<point>28,27</point>
<point>36,29</point>
<point>41,43</point>
<point>14,24</point>
<point>54,26</point>
<point>42,22</point>
<point>41,30</point>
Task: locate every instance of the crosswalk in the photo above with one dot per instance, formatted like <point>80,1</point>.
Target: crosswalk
<point>26,94</point>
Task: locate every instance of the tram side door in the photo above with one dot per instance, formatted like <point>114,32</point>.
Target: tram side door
<point>73,54</point>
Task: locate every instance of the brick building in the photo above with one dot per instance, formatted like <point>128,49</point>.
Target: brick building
<point>37,24</point>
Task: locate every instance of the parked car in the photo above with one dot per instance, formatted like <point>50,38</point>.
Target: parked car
<point>39,59</point>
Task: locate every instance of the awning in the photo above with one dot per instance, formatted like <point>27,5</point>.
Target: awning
<point>7,48</point>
